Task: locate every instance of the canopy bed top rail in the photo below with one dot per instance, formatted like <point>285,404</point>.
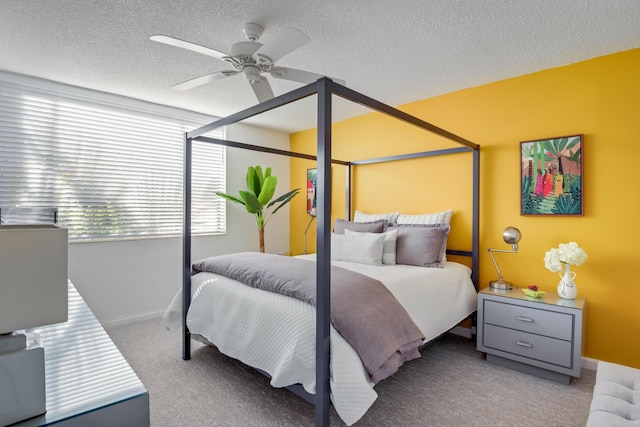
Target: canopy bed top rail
<point>411,156</point>
<point>279,101</point>
<point>324,88</point>
<point>269,150</point>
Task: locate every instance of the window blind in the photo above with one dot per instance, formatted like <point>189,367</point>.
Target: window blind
<point>112,167</point>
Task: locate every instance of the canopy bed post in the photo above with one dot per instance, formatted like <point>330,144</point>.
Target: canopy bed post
<point>475,235</point>
<point>186,249</point>
<point>347,204</point>
<point>475,225</point>
<point>323,254</point>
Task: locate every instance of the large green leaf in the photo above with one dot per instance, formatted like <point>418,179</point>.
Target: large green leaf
<point>285,199</point>
<point>251,202</point>
<point>228,197</point>
<point>260,177</point>
<point>268,190</point>
<point>253,182</point>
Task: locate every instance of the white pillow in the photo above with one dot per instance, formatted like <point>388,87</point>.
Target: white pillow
<point>443,217</point>
<point>363,248</point>
<point>388,247</point>
<point>368,217</point>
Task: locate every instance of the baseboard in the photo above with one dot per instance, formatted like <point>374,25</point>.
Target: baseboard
<point>589,363</point>
<point>108,324</point>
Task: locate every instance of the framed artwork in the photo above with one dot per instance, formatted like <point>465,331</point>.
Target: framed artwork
<point>312,179</point>
<point>551,176</point>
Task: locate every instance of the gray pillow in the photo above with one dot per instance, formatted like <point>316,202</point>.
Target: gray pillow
<point>364,227</point>
<point>421,246</point>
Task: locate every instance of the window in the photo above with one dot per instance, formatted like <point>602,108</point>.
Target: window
<point>112,166</point>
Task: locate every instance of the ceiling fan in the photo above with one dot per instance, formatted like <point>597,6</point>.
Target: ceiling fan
<point>251,59</point>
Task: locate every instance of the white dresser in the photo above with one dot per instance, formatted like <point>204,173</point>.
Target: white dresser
<point>541,336</point>
<point>88,381</point>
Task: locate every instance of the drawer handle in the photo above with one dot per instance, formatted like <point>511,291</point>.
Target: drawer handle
<point>524,319</point>
<point>524,344</point>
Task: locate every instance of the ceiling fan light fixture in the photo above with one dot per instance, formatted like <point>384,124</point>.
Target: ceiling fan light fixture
<point>252,73</point>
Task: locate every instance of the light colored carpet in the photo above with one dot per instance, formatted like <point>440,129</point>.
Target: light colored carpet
<point>450,385</point>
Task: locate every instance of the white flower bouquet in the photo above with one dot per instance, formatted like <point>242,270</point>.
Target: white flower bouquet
<point>566,253</point>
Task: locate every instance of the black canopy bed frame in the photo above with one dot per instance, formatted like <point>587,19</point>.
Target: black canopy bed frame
<point>324,88</point>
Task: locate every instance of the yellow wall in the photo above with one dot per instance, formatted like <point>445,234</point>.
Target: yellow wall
<point>597,98</point>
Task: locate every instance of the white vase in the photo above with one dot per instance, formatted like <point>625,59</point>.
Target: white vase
<point>567,288</point>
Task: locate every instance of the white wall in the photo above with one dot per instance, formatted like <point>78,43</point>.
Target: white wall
<point>130,280</point>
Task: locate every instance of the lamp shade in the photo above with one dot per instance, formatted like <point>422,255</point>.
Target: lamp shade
<point>33,276</point>
<point>511,235</point>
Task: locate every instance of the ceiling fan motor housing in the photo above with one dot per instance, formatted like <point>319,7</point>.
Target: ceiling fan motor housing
<point>252,31</point>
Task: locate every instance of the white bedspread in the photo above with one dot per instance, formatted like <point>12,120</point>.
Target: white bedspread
<point>276,333</point>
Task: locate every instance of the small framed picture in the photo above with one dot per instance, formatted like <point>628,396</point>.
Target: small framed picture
<point>551,176</point>
<point>312,180</point>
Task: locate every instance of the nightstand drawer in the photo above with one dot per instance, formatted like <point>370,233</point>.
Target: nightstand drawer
<point>544,349</point>
<point>541,322</point>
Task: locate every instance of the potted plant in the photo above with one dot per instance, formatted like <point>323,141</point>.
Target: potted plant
<point>257,198</point>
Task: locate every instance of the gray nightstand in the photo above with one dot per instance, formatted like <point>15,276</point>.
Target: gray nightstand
<point>540,336</point>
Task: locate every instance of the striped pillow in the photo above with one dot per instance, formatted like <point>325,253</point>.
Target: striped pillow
<point>368,217</point>
<point>443,217</point>
<point>363,248</point>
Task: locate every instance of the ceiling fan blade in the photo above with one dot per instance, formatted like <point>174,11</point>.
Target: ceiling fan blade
<point>300,76</point>
<point>283,43</point>
<point>199,81</point>
<point>262,89</point>
<point>172,41</point>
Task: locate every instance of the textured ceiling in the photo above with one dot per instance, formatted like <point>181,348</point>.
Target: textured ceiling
<point>395,51</point>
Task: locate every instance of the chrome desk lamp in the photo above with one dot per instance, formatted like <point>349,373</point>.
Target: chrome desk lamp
<point>312,212</point>
<point>511,235</point>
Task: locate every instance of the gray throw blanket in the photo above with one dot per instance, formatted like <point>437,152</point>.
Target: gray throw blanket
<point>363,310</point>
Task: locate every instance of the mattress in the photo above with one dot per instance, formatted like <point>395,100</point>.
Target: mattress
<point>276,333</point>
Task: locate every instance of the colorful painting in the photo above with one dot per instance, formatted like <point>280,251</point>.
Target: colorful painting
<point>551,176</point>
<point>312,179</point>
